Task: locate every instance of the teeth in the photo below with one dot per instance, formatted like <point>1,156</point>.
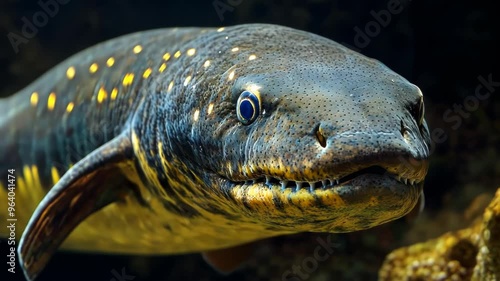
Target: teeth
<point>283,184</point>
<point>298,186</point>
<point>268,180</point>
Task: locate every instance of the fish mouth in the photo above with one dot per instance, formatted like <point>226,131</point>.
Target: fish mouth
<point>333,183</point>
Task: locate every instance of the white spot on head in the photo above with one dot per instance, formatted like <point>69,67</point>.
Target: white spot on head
<point>101,95</point>
<point>93,68</point>
<point>146,73</point>
<point>252,57</point>
<point>231,76</point>
<point>206,64</point>
<point>70,106</point>
<point>196,115</point>
<point>70,73</point>
<point>235,49</point>
<point>114,93</point>
<point>128,79</point>
<point>191,52</point>
<point>110,62</point>
<point>137,49</point>
<point>170,86</point>
<point>34,99</point>
<point>162,67</point>
<point>210,108</point>
<point>220,29</point>
<point>188,79</point>
<point>51,101</point>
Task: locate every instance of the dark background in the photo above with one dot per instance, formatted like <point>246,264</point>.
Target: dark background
<point>441,46</point>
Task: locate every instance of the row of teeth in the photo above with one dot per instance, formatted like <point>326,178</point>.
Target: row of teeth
<point>270,181</point>
<point>405,180</point>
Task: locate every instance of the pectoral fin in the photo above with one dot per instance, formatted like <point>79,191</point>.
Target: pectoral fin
<point>92,183</point>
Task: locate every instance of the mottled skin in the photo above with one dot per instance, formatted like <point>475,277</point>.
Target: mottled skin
<point>340,143</point>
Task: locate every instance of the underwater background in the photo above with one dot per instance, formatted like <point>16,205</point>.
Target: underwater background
<point>447,48</point>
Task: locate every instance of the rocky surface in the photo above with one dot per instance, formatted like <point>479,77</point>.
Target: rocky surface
<point>472,253</point>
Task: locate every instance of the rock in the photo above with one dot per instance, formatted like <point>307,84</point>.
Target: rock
<point>469,254</point>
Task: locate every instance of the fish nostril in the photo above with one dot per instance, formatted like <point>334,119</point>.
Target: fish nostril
<point>404,132</point>
<point>403,129</point>
<point>319,135</point>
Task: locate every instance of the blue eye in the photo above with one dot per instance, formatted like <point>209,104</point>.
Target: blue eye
<point>248,107</point>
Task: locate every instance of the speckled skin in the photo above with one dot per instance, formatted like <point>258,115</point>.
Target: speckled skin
<point>340,144</point>
<point>468,254</point>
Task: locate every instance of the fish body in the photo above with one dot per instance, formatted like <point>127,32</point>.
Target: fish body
<point>195,139</point>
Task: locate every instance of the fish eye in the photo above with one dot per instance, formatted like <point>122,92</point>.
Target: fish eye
<point>247,107</point>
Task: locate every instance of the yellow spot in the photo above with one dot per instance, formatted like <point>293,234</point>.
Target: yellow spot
<point>231,75</point>
<point>220,29</point>
<point>70,107</point>
<point>162,67</point>
<point>93,67</point>
<point>235,49</point>
<point>186,82</point>
<point>55,175</point>
<point>191,52</point>
<point>70,73</point>
<point>101,95</point>
<point>34,99</point>
<point>34,172</point>
<point>177,54</point>
<point>146,73</point>
<point>114,93</point>
<point>252,57</point>
<point>196,115</point>
<point>166,56</point>
<point>210,108</point>
<point>137,49</point>
<point>51,102</point>
<point>28,176</point>
<point>206,64</point>
<point>170,86</point>
<point>128,79</point>
<point>110,62</point>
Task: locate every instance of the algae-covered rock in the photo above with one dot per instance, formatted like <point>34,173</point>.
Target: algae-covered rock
<point>469,254</point>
